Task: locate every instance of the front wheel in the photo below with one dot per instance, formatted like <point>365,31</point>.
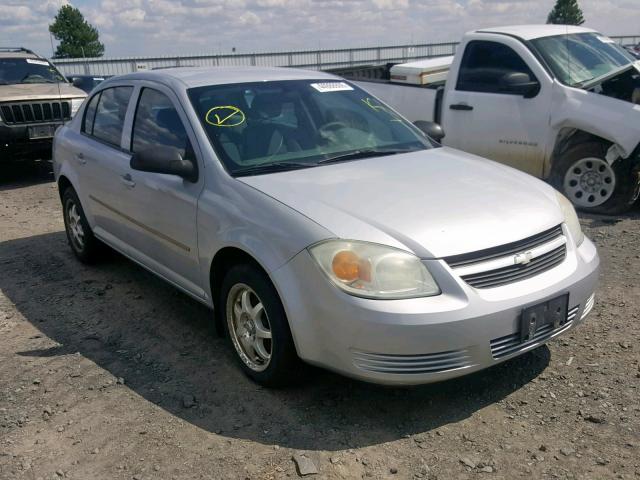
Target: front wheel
<point>257,327</point>
<point>591,183</point>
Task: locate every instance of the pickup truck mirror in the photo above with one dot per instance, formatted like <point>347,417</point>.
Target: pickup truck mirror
<point>166,160</point>
<point>519,83</point>
<point>431,129</point>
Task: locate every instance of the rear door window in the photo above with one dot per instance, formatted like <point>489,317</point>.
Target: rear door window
<point>485,63</point>
<point>110,113</point>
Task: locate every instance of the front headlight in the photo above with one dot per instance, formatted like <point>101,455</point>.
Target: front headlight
<point>571,218</point>
<point>374,271</point>
<point>75,105</point>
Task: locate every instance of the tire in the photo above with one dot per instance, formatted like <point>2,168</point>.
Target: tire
<point>246,329</point>
<point>585,177</point>
<point>84,245</point>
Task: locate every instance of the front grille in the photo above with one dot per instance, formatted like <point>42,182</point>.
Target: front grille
<point>503,346</point>
<point>496,277</point>
<point>412,364</point>
<point>514,273</point>
<point>35,112</point>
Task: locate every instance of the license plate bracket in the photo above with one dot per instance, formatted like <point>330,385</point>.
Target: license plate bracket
<point>37,132</point>
<point>552,312</point>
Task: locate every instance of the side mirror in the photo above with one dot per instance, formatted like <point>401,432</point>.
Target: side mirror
<point>164,160</point>
<point>431,129</point>
<point>519,83</point>
<point>77,82</point>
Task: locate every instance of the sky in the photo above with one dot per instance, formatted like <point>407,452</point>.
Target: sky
<point>170,27</point>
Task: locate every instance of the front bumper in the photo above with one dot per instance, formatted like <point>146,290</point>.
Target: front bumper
<point>15,144</point>
<point>423,340</point>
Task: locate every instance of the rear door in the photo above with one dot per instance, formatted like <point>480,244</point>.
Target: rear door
<point>480,118</point>
<point>103,163</point>
<point>161,209</point>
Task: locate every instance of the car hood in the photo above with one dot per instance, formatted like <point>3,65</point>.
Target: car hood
<point>39,91</point>
<point>436,202</point>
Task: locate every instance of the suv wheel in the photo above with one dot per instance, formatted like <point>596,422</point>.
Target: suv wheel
<point>84,244</point>
<point>257,327</point>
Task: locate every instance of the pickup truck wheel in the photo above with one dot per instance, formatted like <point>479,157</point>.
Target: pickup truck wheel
<point>586,178</point>
<point>84,245</point>
<point>257,327</point>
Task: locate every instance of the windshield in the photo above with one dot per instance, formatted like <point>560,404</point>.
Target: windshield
<point>28,70</point>
<point>579,58</point>
<point>281,125</point>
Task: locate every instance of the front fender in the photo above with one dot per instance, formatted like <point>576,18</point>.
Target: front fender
<point>237,215</point>
<point>605,117</point>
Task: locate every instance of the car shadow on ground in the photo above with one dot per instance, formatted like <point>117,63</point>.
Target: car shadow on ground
<point>137,327</point>
<point>21,174</point>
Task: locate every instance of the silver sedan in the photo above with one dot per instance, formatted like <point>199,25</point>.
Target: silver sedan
<point>320,226</point>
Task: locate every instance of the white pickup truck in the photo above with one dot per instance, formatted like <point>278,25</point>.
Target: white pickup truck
<point>559,102</point>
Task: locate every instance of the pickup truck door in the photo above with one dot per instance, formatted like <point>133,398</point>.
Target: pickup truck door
<point>161,228</point>
<point>482,114</point>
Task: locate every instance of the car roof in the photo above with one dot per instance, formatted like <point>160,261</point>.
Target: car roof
<point>529,32</point>
<point>200,76</point>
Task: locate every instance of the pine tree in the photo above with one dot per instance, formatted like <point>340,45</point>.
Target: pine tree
<point>566,12</point>
<point>77,37</point>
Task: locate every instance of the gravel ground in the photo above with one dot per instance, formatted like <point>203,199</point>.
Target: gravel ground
<point>108,373</point>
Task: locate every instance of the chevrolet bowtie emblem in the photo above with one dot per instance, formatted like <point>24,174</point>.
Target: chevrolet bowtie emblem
<point>522,258</point>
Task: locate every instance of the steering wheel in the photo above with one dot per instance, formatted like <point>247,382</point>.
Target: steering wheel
<point>331,127</point>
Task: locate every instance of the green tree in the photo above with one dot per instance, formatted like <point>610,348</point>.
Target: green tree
<point>566,12</point>
<point>77,37</point>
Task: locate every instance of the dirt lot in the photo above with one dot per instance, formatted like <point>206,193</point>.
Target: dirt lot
<point>108,373</point>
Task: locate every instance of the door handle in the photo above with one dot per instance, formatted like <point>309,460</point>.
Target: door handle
<point>127,180</point>
<point>461,106</point>
<point>80,158</point>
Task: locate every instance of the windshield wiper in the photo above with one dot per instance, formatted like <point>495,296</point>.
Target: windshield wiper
<point>364,153</point>
<point>270,168</point>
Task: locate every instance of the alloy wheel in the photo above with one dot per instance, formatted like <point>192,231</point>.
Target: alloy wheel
<point>75,226</point>
<point>249,327</point>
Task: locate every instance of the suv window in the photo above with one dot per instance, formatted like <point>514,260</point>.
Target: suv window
<point>157,123</point>
<point>109,115</point>
<point>485,63</point>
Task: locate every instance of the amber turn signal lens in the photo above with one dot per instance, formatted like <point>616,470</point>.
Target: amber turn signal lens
<point>345,266</point>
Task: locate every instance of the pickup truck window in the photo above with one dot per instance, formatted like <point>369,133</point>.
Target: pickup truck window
<point>578,58</point>
<point>28,70</point>
<point>485,63</point>
<point>279,125</point>
<point>157,123</point>
<point>110,112</point>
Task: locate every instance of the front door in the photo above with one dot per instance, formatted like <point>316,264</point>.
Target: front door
<point>161,209</point>
<point>480,118</point>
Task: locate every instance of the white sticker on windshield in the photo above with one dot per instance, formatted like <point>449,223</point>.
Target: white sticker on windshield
<point>331,87</point>
<point>37,62</point>
<point>604,39</point>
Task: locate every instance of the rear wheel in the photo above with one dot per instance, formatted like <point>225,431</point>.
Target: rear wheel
<point>257,327</point>
<point>591,183</point>
<point>85,246</point>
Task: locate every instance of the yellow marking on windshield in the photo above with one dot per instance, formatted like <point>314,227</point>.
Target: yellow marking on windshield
<point>370,103</point>
<point>226,116</point>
